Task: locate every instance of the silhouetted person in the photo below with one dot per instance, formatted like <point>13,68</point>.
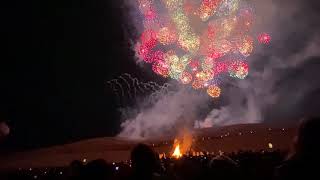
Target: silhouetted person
<point>144,162</point>
<point>304,162</point>
<point>75,170</point>
<point>97,170</point>
<point>187,169</point>
<point>222,167</point>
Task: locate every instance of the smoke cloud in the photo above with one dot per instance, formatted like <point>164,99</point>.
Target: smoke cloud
<point>167,114</point>
<point>283,81</point>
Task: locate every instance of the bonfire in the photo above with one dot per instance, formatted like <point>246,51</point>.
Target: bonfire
<point>177,153</point>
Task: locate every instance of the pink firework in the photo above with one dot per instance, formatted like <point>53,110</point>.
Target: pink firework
<point>157,56</point>
<point>264,38</point>
<point>215,55</point>
<point>143,51</point>
<point>186,78</point>
<point>149,37</point>
<point>239,69</point>
<point>161,68</point>
<point>150,14</point>
<point>194,65</point>
<point>220,67</point>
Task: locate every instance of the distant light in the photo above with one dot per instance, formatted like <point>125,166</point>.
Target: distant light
<point>113,163</point>
<point>270,145</point>
<point>269,129</point>
<point>117,168</point>
<point>35,177</point>
<point>84,160</point>
<point>283,129</point>
<point>60,173</point>
<point>240,133</point>
<point>30,169</point>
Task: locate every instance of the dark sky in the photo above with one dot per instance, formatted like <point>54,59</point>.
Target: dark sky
<point>56,58</point>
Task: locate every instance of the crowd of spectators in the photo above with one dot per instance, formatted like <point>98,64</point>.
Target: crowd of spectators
<point>146,164</point>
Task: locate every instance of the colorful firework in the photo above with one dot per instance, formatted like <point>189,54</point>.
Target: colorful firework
<point>214,91</point>
<point>201,38</point>
<point>239,69</point>
<point>186,78</point>
<point>166,36</point>
<point>264,38</point>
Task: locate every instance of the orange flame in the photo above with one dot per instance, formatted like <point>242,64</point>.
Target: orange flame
<point>176,153</point>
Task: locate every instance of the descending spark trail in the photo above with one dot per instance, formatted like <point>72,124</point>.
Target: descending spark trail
<point>128,85</point>
<point>131,88</point>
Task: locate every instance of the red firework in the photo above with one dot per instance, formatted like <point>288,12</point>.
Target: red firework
<point>264,38</point>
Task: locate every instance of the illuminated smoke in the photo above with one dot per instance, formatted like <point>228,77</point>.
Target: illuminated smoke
<point>169,113</point>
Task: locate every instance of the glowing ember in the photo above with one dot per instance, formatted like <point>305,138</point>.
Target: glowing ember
<point>176,153</point>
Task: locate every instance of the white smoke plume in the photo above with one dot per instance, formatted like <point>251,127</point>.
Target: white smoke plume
<point>171,111</point>
<point>281,76</point>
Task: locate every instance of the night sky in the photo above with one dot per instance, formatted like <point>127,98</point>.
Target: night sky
<point>56,58</point>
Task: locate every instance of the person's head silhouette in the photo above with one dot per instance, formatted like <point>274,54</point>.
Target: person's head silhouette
<point>303,162</point>
<point>143,160</point>
<point>307,142</point>
<point>98,169</point>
